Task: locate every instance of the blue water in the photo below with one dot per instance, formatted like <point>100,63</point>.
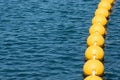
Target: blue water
<point>46,39</point>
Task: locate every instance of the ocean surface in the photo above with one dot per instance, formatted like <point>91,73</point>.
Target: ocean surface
<point>46,39</point>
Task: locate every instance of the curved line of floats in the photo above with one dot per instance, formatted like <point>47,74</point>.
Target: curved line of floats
<point>94,54</point>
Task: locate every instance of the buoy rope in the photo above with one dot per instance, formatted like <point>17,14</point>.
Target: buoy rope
<point>94,54</point>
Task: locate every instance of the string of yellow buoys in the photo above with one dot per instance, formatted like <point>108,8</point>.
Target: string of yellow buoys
<point>94,54</point>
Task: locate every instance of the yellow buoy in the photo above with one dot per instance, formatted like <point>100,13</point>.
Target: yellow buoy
<point>105,4</point>
<point>95,39</point>
<point>94,52</point>
<point>110,1</point>
<point>97,28</point>
<point>93,67</point>
<point>93,78</point>
<point>102,11</point>
<point>99,19</point>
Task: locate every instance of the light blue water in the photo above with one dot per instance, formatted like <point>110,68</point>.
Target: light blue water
<point>46,39</point>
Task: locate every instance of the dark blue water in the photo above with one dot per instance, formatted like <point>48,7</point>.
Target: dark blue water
<point>46,39</point>
<point>112,45</point>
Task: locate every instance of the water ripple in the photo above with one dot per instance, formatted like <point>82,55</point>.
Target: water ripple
<point>46,39</point>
